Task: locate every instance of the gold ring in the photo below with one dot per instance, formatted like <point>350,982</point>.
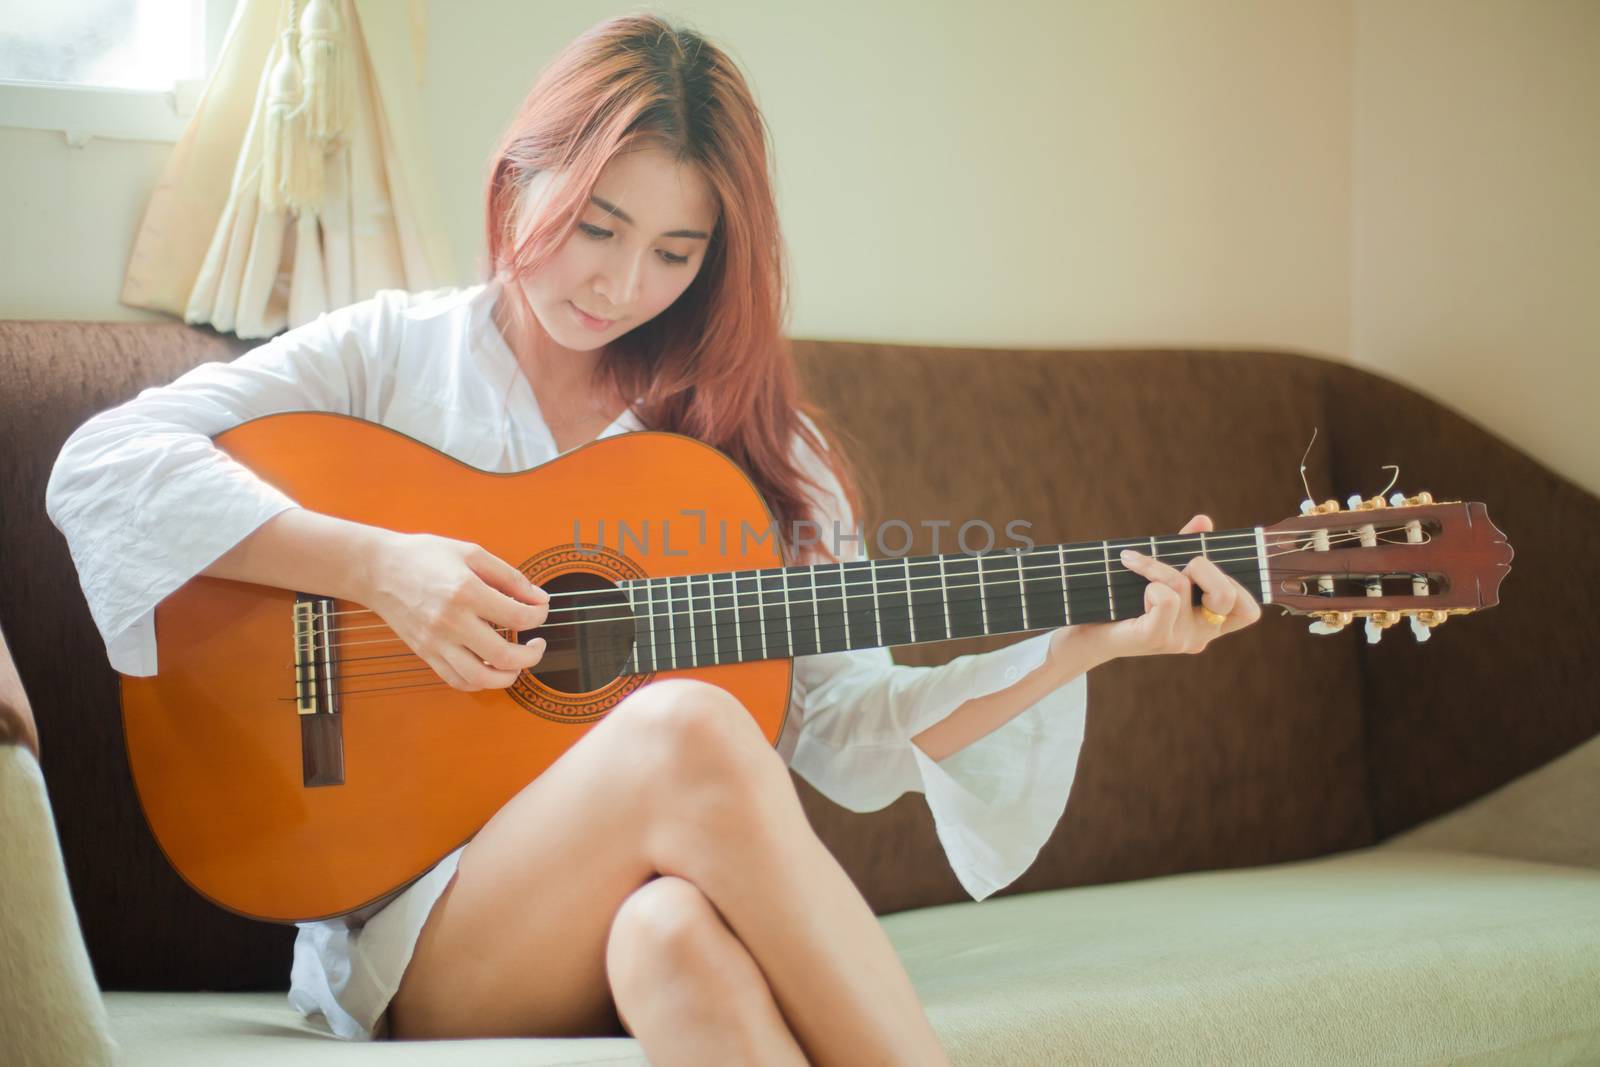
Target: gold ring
<point>1212,617</point>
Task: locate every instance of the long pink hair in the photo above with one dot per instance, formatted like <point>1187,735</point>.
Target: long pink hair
<point>715,365</point>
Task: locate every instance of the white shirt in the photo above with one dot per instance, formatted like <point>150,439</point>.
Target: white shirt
<point>146,502</point>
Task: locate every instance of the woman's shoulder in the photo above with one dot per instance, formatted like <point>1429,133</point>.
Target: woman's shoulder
<point>425,304</point>
<point>392,322</point>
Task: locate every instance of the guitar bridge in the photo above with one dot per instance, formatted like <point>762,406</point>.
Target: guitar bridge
<point>316,676</point>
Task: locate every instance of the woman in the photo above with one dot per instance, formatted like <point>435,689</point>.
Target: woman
<point>635,280</point>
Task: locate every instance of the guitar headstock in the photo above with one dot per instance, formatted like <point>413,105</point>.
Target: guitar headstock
<point>1384,561</point>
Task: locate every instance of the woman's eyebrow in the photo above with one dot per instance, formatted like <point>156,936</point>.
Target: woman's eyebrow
<point>610,208</point>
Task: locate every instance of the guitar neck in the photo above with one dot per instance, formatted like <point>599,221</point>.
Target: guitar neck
<point>702,620</point>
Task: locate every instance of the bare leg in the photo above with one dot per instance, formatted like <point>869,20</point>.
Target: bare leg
<point>678,780</point>
<point>686,987</point>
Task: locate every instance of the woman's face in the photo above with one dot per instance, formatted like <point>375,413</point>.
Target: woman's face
<point>640,241</point>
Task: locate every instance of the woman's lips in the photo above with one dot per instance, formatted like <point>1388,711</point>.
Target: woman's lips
<point>588,320</point>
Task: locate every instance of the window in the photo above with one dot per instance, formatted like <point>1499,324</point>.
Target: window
<point>108,68</point>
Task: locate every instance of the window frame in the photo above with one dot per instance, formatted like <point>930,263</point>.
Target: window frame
<point>82,112</point>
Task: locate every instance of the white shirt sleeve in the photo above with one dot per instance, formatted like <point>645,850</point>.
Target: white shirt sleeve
<point>996,801</point>
<point>146,501</point>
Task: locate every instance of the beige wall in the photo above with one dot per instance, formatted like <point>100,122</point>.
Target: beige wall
<point>1238,172</point>
<point>1476,230</point>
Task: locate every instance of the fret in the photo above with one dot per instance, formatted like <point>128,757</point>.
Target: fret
<point>643,635</point>
<point>816,612</point>
<point>1261,565</point>
<point>929,612</point>
<point>877,607</point>
<point>1066,608</point>
<point>701,618</point>
<point>860,604</point>
<point>1238,559</point>
<point>688,592</point>
<point>1022,591</point>
<point>660,623</point>
<point>1002,592</point>
<point>833,631</point>
<point>747,604</point>
<point>682,622</point>
<point>1127,599</point>
<point>1042,602</point>
<point>944,588</point>
<point>1111,597</point>
<point>725,620</point>
<point>798,592</point>
<point>1087,589</point>
<point>895,624</point>
<point>775,611</point>
<point>983,599</point>
<point>761,613</point>
<point>965,595</point>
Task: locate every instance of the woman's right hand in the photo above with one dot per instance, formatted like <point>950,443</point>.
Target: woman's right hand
<point>441,597</point>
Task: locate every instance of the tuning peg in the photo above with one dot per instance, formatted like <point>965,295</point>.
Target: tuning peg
<point>1420,630</point>
<point>1397,500</point>
<point>1330,622</point>
<point>1378,622</point>
<point>1356,503</point>
<point>1308,508</point>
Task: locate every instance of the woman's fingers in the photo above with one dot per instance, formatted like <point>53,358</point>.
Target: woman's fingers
<point>1161,609</point>
<point>1198,524</point>
<point>448,673</point>
<point>505,595</point>
<point>1217,591</point>
<point>473,671</point>
<point>498,653</point>
<point>1156,571</point>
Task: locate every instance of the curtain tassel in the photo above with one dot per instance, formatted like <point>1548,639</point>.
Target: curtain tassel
<point>291,163</point>
<point>325,55</point>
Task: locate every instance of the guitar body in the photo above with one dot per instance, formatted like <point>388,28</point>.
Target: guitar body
<point>216,742</point>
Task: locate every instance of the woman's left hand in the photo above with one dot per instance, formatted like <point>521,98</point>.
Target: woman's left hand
<point>1171,622</point>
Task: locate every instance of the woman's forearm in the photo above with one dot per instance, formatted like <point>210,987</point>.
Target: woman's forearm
<point>308,551</point>
<point>1073,651</point>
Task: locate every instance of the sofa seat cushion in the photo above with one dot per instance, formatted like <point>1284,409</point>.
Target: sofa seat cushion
<point>1372,956</point>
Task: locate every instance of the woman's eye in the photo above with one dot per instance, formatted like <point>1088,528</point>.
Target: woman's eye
<point>670,258</point>
<point>593,231</point>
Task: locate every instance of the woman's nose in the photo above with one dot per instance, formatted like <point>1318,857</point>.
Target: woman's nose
<point>620,286</point>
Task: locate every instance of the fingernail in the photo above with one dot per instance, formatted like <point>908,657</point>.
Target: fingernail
<point>1129,556</point>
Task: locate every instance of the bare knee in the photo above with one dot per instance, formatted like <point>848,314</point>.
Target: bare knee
<point>691,732</point>
<point>668,941</point>
<point>712,787</point>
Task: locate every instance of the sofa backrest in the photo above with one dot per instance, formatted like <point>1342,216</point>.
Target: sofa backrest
<point>1258,751</point>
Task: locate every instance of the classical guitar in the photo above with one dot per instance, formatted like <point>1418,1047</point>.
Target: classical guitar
<point>287,734</point>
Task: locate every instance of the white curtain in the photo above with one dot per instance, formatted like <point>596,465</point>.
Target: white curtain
<point>300,184</point>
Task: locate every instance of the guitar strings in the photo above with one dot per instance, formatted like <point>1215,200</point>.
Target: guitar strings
<point>1094,550</point>
<point>763,630</point>
<point>607,597</point>
<point>785,602</point>
<point>1127,580</point>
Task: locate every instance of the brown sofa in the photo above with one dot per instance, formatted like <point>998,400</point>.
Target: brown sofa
<point>1241,828</point>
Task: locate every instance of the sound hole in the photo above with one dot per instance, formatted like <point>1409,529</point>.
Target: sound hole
<point>589,633</point>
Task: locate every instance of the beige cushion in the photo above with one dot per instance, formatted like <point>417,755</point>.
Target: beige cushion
<point>1371,956</point>
<point>50,1007</point>
<point>1548,815</point>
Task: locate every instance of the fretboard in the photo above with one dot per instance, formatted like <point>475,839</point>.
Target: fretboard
<point>702,620</point>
